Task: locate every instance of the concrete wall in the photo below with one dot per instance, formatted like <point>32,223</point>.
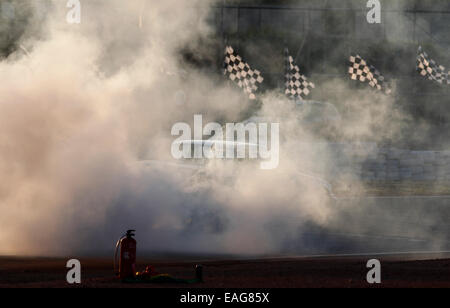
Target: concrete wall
<point>389,164</point>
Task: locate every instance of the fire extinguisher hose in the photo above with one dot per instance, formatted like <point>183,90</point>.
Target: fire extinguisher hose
<point>116,254</point>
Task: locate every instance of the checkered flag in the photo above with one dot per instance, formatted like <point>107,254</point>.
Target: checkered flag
<point>430,69</point>
<point>297,85</point>
<point>360,70</point>
<point>241,73</point>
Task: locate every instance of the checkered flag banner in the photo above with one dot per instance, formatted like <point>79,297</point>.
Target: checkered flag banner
<point>360,70</point>
<point>430,69</point>
<point>297,85</point>
<point>241,73</point>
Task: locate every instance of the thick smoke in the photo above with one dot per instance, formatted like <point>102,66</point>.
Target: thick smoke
<point>87,101</point>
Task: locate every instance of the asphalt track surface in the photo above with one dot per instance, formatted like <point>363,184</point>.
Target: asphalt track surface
<point>294,272</point>
<point>409,235</point>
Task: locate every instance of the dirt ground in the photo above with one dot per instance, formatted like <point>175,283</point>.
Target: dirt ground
<point>345,272</point>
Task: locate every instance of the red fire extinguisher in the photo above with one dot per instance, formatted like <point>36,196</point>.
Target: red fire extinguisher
<point>127,261</point>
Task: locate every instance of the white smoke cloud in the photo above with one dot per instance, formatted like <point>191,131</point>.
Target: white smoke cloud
<point>87,101</point>
<point>91,99</point>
